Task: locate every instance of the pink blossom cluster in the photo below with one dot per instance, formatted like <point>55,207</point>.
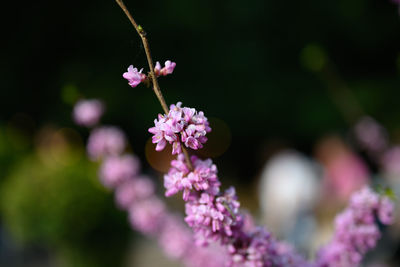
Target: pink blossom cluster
<point>147,215</point>
<point>210,214</point>
<point>211,217</point>
<point>356,229</point>
<point>135,193</point>
<point>260,248</point>
<point>105,141</point>
<point>133,190</point>
<point>88,112</point>
<point>202,178</point>
<point>116,169</point>
<point>135,77</point>
<point>215,216</point>
<point>181,125</point>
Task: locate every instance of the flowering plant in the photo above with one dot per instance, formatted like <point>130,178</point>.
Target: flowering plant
<point>213,215</point>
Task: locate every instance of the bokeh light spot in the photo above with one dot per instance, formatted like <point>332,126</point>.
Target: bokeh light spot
<point>70,94</point>
<point>219,139</point>
<point>159,160</point>
<point>313,57</point>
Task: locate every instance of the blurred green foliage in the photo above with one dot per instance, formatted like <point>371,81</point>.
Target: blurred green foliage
<point>53,198</point>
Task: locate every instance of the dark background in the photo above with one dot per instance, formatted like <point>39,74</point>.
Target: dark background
<point>239,61</point>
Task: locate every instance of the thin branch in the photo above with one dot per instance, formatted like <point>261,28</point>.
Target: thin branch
<point>187,158</point>
<point>142,34</point>
<point>153,77</point>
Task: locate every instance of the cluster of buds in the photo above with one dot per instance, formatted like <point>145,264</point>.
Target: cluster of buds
<point>88,112</point>
<point>202,178</point>
<point>181,125</point>
<point>213,218</point>
<point>135,77</point>
<point>105,141</point>
<point>356,229</point>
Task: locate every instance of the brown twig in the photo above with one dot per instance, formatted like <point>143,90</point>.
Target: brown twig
<point>142,34</point>
<point>153,77</point>
<point>187,158</point>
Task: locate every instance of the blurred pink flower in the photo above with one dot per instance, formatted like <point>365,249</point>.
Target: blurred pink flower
<point>147,215</point>
<point>105,141</point>
<point>133,190</point>
<point>88,112</point>
<point>346,173</point>
<point>175,238</point>
<point>117,169</point>
<point>356,231</point>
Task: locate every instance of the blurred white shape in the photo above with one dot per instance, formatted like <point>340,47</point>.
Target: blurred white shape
<point>288,191</point>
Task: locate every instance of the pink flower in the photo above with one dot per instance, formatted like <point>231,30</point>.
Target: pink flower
<point>180,125</point>
<point>212,256</point>
<point>105,141</point>
<point>168,69</point>
<point>157,68</point>
<point>356,231</point>
<point>202,178</point>
<point>147,215</point>
<point>385,211</point>
<point>134,76</point>
<point>88,112</point>
<point>213,217</point>
<point>133,190</point>
<point>345,173</point>
<point>175,237</point>
<point>118,169</point>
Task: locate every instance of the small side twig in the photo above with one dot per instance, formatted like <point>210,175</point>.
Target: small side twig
<point>142,34</point>
<point>153,77</point>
